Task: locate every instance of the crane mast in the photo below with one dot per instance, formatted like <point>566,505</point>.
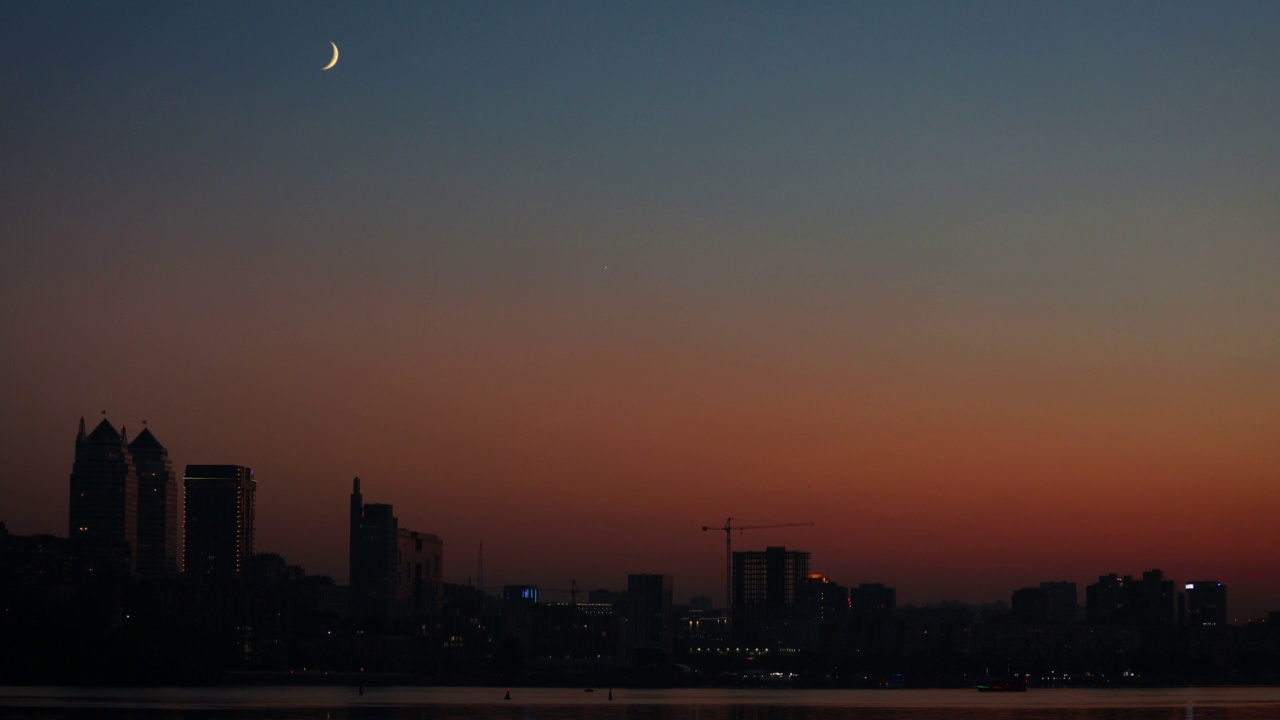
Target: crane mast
<point>728,528</point>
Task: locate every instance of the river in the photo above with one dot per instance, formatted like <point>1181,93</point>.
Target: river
<point>403,703</point>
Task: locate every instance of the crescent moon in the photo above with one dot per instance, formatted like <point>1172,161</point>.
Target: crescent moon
<point>334,61</point>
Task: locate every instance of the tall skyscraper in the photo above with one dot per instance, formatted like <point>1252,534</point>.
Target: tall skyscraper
<point>219,519</point>
<point>395,573</point>
<point>158,552</point>
<point>104,490</point>
<point>374,572</point>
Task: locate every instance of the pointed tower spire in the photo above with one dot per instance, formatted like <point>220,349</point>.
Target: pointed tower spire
<point>80,433</point>
<point>124,435</point>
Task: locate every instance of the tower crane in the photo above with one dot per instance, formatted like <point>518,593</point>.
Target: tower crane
<point>572,591</point>
<point>728,528</point>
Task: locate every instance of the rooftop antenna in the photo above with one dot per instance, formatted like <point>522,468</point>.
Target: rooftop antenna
<point>480,570</point>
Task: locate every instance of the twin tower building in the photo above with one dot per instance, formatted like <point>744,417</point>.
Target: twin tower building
<point>124,496</point>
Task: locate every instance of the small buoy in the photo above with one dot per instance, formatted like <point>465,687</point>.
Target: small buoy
<point>610,693</point>
<point>508,697</point>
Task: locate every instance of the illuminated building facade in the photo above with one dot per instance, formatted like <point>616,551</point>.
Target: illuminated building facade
<point>158,546</point>
<point>218,519</point>
<point>104,490</point>
<point>520,593</point>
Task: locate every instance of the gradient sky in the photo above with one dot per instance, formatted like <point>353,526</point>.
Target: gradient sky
<point>986,291</point>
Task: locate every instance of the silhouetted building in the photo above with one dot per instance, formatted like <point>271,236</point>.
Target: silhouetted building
<point>821,616</point>
<point>272,569</point>
<point>375,538</point>
<point>1206,602</point>
<point>872,608</point>
<point>872,604</point>
<point>650,619</point>
<point>601,595</point>
<point>701,603</point>
<point>764,590</point>
<point>1030,606</point>
<point>104,490</point>
<point>421,585</point>
<point>219,519</point>
<point>1064,602</point>
<point>395,573</point>
<point>1151,602</point>
<point>158,551</point>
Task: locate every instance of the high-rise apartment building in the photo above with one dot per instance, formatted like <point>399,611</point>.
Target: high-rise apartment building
<point>158,539</point>
<point>219,519</point>
<point>104,490</point>
<point>764,590</point>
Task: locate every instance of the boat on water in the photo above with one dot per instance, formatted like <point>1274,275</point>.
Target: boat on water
<point>1013,684</point>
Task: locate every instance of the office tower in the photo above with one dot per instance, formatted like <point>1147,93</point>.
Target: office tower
<point>158,553</point>
<point>1206,602</point>
<point>764,590</point>
<point>651,618</point>
<point>104,490</point>
<point>374,571</point>
<point>219,519</point>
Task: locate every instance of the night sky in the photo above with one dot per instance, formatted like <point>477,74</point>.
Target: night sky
<point>986,291</point>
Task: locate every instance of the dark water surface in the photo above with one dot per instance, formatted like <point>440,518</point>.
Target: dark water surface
<point>344,703</point>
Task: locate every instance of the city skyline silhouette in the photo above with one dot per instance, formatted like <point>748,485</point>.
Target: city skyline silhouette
<point>984,291</point>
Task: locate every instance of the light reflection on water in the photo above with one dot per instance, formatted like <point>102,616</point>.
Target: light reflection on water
<point>411,703</point>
